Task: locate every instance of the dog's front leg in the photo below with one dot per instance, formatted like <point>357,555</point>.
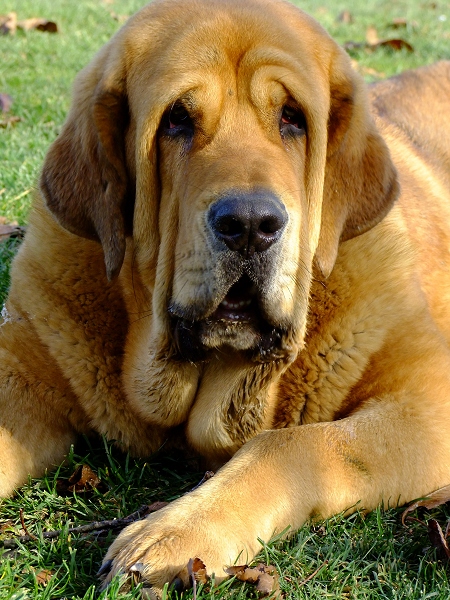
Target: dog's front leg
<point>390,451</point>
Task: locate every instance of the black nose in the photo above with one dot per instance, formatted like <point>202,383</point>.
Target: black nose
<point>249,222</point>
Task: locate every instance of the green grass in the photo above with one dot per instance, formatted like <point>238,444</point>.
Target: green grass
<point>368,557</point>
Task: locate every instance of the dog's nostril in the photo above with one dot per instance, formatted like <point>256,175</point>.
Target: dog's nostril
<point>229,226</point>
<point>269,226</point>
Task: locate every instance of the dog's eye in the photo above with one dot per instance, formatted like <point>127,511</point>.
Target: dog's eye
<point>178,121</point>
<point>292,120</point>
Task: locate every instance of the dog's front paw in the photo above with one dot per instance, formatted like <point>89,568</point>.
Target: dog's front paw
<point>158,549</point>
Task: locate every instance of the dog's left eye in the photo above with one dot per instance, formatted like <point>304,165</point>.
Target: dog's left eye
<point>178,121</point>
<point>292,119</point>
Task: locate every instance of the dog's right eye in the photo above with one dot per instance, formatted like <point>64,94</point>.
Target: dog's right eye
<point>177,121</point>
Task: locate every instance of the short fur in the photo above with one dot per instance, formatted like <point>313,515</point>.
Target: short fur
<point>334,391</point>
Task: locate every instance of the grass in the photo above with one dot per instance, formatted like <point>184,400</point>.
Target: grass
<point>362,557</point>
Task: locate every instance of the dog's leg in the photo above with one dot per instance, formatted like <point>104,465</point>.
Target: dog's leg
<point>393,449</point>
<point>36,408</point>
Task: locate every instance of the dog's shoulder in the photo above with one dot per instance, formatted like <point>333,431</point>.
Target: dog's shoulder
<point>413,108</point>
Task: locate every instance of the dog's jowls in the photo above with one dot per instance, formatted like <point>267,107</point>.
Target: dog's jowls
<point>235,242</point>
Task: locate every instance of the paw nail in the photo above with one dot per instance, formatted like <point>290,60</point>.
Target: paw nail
<point>177,585</point>
<point>105,568</point>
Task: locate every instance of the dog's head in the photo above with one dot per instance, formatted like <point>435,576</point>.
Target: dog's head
<point>232,141</point>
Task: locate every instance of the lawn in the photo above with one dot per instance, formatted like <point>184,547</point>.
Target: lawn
<point>359,557</point>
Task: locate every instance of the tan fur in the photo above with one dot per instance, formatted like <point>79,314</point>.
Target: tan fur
<point>336,396</point>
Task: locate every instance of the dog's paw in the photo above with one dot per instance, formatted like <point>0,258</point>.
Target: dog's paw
<point>158,549</point>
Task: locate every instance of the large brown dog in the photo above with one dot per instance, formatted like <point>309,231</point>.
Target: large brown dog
<point>267,286</point>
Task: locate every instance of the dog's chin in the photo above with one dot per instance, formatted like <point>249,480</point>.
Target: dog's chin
<point>237,324</point>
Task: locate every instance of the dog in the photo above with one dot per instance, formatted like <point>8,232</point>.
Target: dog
<point>237,246</point>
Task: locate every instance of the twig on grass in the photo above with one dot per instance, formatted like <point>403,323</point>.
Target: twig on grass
<point>206,476</point>
<point>24,527</point>
<point>313,574</point>
<point>142,512</point>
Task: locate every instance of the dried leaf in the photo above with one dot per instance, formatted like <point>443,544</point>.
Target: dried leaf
<point>119,18</point>
<point>38,24</point>
<point>372,72</point>
<point>354,45</point>
<point>399,22</point>
<point>155,506</point>
<point>8,23</point>
<point>438,540</point>
<point>265,584</point>
<point>264,576</point>
<point>372,36</point>
<point>44,576</point>
<point>5,102</point>
<point>6,526</point>
<point>11,231</point>
<point>199,571</point>
<point>396,44</point>
<point>237,571</point>
<point>10,120</point>
<point>83,480</point>
<point>345,17</point>
<point>440,496</point>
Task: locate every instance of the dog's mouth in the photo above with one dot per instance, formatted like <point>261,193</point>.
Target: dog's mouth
<point>238,322</point>
<point>240,304</point>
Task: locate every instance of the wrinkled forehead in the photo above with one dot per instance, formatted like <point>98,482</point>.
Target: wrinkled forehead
<point>175,46</point>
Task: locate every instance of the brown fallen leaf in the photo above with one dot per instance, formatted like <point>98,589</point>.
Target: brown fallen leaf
<point>440,496</point>
<point>199,571</point>
<point>265,577</point>
<point>11,231</point>
<point>398,23</point>
<point>395,44</point>
<point>369,71</point>
<point>83,480</point>
<point>6,526</point>
<point>8,23</point>
<point>9,120</point>
<point>193,573</point>
<point>373,41</point>
<point>372,36</point>
<point>5,102</point>
<point>44,576</point>
<point>38,24</point>
<point>345,17</point>
<point>155,506</point>
<point>119,18</point>
<point>438,539</point>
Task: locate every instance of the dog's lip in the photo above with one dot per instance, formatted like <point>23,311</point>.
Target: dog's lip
<point>239,303</point>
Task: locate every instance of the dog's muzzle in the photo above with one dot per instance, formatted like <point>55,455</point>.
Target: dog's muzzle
<point>243,230</point>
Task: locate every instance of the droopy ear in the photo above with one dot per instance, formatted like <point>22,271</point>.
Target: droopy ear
<point>84,178</point>
<point>360,179</point>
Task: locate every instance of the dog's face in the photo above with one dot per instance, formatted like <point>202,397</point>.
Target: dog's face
<point>232,140</point>
<point>232,105</point>
<point>232,148</point>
